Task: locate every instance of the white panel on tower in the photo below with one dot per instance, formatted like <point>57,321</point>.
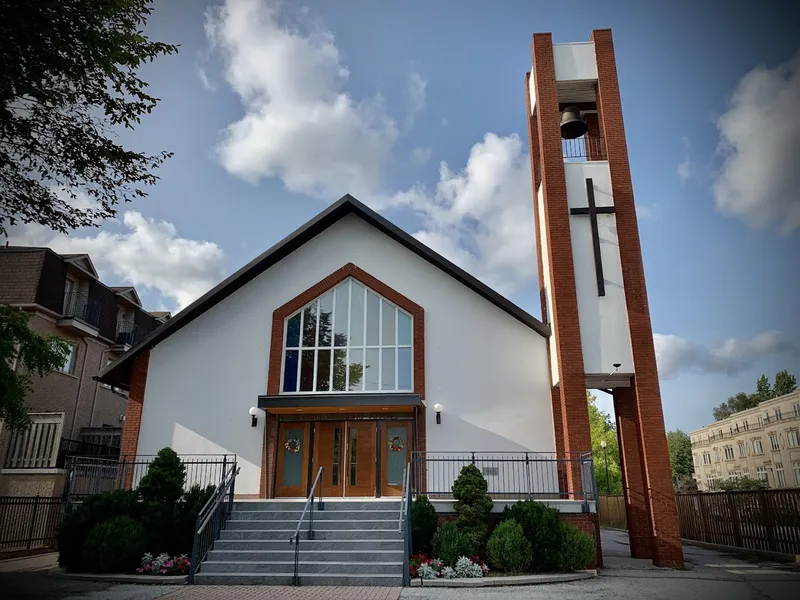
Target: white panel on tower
<point>547,309</point>
<point>575,61</point>
<point>532,91</point>
<point>602,311</point>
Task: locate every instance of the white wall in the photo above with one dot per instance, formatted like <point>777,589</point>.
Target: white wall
<point>548,285</point>
<point>604,320</point>
<point>487,369</point>
<point>575,61</point>
<point>532,91</point>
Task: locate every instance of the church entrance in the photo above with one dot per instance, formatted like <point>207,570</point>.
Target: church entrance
<point>362,458</point>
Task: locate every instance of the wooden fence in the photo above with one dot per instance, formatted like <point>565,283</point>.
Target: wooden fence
<point>612,512</point>
<point>766,520</point>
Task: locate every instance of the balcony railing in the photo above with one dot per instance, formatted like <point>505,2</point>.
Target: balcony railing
<point>586,148</point>
<point>128,333</point>
<point>80,306</point>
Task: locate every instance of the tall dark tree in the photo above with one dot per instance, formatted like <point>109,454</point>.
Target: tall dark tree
<point>763,389</point>
<point>68,82</point>
<point>785,383</point>
<point>23,355</point>
<point>602,428</point>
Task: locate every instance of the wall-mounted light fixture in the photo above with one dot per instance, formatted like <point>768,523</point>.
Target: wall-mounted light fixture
<point>438,408</point>
<point>253,416</point>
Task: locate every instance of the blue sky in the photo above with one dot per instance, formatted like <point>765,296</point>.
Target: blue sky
<point>274,110</point>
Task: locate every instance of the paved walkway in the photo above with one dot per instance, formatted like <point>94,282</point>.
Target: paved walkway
<point>242,592</point>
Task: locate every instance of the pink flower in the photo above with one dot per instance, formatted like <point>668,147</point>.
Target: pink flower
<point>163,571</point>
<point>139,570</point>
<point>147,567</point>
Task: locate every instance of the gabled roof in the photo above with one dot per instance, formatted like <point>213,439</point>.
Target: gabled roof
<point>118,372</point>
<point>82,261</point>
<point>129,293</point>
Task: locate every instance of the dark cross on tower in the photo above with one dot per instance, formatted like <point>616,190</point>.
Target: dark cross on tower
<point>593,210</point>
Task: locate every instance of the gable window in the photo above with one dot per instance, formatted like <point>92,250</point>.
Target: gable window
<point>350,339</point>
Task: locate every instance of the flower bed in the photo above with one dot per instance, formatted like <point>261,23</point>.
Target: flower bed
<point>433,568</point>
<point>163,564</point>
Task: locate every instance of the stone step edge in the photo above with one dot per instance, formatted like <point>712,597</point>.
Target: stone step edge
<point>301,574</point>
<point>317,529</point>
<point>325,551</point>
<point>302,562</point>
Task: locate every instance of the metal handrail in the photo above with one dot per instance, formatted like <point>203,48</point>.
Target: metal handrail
<point>403,498</point>
<point>296,536</point>
<point>212,518</point>
<point>405,511</point>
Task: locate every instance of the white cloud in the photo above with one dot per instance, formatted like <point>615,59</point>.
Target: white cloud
<point>481,218</point>
<point>676,354</point>
<point>417,95</point>
<point>298,124</point>
<point>420,155</point>
<point>147,254</point>
<point>760,140</point>
<point>207,83</point>
<point>647,211</point>
<point>685,168</point>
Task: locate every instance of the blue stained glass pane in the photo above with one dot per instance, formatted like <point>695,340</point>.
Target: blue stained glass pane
<point>290,370</point>
<point>403,329</point>
<point>293,332</point>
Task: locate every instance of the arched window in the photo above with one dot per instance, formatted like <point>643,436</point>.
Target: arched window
<point>350,339</point>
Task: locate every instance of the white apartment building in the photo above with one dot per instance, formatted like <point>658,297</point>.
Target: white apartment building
<point>761,442</point>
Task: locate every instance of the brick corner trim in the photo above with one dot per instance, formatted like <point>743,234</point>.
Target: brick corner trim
<point>276,348</point>
<point>133,413</point>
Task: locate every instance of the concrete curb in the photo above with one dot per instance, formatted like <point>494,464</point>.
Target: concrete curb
<point>505,581</point>
<point>768,554</point>
<point>121,578</point>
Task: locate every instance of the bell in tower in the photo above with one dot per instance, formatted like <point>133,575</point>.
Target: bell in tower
<point>572,125</point>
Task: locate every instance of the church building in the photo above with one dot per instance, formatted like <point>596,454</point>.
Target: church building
<point>351,345</point>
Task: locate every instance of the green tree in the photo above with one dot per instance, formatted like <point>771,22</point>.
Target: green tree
<point>785,383</point>
<point>473,505</point>
<point>734,404</point>
<point>603,430</point>
<point>68,82</point>
<point>763,389</point>
<point>739,484</point>
<point>23,355</point>
<point>680,453</point>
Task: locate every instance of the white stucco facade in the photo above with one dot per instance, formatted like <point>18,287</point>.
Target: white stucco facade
<point>487,369</point>
<point>605,336</point>
<point>546,280</point>
<point>575,61</point>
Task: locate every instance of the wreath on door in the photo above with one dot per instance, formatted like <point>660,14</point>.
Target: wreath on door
<point>292,445</point>
<point>396,444</point>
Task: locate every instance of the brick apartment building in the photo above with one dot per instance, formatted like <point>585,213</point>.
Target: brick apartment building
<point>761,442</point>
<point>69,410</point>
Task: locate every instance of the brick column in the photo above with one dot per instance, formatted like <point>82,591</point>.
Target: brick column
<point>571,389</point>
<point>667,550</point>
<point>133,415</point>
<point>637,506</point>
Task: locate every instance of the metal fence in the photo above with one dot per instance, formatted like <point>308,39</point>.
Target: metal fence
<point>89,475</point>
<point>28,524</point>
<point>586,148</point>
<point>510,475</point>
<point>763,520</point>
<point>80,306</point>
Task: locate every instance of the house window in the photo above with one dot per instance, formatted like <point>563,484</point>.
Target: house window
<point>796,409</point>
<point>706,458</point>
<point>793,438</point>
<point>742,451</point>
<point>720,433</point>
<point>757,447</point>
<point>745,426</point>
<point>729,453</point>
<point>69,363</point>
<point>773,441</point>
<point>778,415</point>
<point>796,469</point>
<point>761,473</point>
<point>780,478</point>
<point>348,340</point>
<point>716,454</point>
<point>70,285</point>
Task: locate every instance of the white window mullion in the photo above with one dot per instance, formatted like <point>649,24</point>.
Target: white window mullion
<point>349,325</point>
<point>300,349</point>
<point>396,349</point>
<point>316,351</point>
<point>333,342</point>
<point>364,348</point>
<point>380,345</point>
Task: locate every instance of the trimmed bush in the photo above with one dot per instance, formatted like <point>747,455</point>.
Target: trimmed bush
<point>576,549</point>
<point>450,544</point>
<point>164,480</point>
<point>508,550</point>
<point>423,525</point>
<point>542,528</point>
<point>185,517</point>
<point>82,519</point>
<point>473,505</point>
<point>115,546</point>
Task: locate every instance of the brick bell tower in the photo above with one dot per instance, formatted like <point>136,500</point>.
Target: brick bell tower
<point>591,278</point>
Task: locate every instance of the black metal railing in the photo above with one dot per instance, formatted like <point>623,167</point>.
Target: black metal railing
<point>86,449</point>
<point>212,519</point>
<point>510,475</point>
<point>28,523</point>
<point>309,506</point>
<point>404,522</point>
<point>128,333</point>
<point>80,306</point>
<point>588,148</point>
<point>94,475</point>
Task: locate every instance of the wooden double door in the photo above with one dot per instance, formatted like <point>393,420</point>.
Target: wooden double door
<point>361,458</point>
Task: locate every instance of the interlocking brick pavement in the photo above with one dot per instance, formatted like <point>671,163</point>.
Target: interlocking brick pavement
<point>279,592</point>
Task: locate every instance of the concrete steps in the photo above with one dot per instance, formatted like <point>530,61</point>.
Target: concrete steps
<point>355,543</point>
